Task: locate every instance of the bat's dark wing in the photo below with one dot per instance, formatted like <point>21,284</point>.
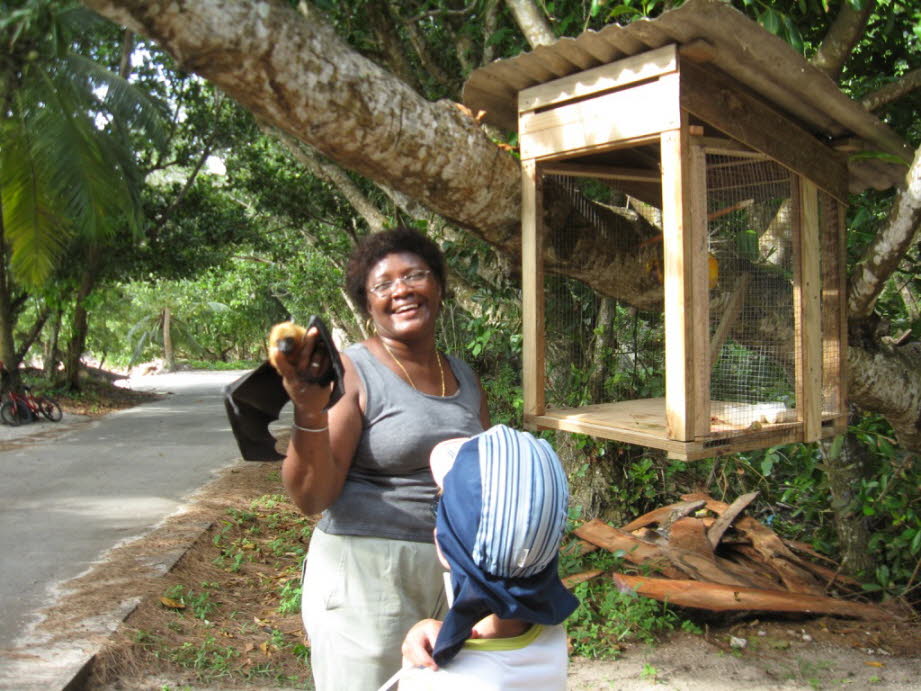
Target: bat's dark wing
<point>252,402</point>
<point>255,400</point>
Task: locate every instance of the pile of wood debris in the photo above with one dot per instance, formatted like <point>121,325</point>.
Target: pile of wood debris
<point>704,554</point>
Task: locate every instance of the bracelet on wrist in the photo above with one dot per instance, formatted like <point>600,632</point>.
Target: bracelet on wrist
<point>309,429</point>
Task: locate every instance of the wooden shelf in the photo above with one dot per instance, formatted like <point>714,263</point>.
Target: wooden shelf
<point>642,422</point>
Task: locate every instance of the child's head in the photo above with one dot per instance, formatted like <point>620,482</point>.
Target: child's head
<point>499,524</point>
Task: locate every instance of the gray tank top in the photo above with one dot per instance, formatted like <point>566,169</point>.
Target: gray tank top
<point>389,488</point>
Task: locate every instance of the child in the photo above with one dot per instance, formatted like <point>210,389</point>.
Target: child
<point>499,523</point>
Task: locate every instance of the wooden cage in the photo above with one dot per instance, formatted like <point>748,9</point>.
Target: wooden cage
<point>662,128</point>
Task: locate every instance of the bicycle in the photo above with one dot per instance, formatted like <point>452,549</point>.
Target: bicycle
<point>25,407</point>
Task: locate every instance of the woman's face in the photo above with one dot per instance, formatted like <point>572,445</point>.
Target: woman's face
<point>404,296</point>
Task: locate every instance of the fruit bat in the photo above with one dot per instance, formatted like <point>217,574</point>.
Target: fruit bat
<point>255,399</point>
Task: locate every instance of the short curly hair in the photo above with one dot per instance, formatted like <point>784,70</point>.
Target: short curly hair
<point>372,248</point>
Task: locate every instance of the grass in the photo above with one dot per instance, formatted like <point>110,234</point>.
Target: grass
<point>229,613</point>
<point>608,617</point>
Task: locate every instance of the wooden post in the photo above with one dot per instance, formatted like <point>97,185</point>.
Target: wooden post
<point>684,241</point>
<point>700,287</point>
<point>834,311</point>
<point>808,313</point>
<point>532,290</point>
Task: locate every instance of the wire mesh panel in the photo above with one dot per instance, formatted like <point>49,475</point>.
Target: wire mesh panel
<point>751,216</point>
<point>598,349</point>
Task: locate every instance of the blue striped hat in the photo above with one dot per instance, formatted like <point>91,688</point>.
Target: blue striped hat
<point>499,525</point>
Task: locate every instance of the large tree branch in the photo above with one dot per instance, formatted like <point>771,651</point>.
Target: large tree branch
<point>532,22</point>
<point>893,91</point>
<point>901,404</point>
<point>297,75</point>
<point>841,38</point>
<point>883,255</point>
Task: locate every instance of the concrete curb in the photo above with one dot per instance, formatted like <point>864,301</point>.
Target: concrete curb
<point>60,654</point>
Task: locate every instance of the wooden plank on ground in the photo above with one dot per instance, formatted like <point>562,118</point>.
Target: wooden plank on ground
<point>663,513</point>
<point>690,534</point>
<point>709,568</point>
<point>721,598</point>
<point>715,534</point>
<point>635,550</point>
<point>575,579</point>
<point>788,566</point>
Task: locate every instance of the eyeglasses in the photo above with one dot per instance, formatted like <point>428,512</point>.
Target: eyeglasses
<point>413,279</point>
<point>434,505</point>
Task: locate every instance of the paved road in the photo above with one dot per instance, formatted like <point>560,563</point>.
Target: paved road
<point>66,500</point>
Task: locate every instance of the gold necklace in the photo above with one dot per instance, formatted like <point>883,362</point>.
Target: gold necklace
<point>441,369</point>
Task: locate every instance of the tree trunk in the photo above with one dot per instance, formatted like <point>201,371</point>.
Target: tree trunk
<point>7,314</point>
<point>50,351</point>
<point>34,333</point>
<point>80,325</point>
<point>845,467</point>
<point>842,36</point>
<point>532,22</point>
<point>169,356</point>
<point>603,344</point>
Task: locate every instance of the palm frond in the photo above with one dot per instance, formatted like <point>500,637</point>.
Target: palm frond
<point>33,224</point>
<point>129,105</point>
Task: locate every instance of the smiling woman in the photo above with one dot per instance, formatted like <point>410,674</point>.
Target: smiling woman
<point>371,571</point>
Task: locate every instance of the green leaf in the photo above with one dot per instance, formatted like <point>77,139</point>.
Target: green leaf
<point>771,21</point>
<point>878,156</point>
<point>767,463</point>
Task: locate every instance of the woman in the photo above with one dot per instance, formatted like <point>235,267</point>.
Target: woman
<point>371,571</point>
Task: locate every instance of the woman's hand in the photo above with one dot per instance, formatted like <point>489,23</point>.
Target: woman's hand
<point>419,643</point>
<point>296,356</point>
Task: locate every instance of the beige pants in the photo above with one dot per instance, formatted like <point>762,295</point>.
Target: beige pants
<point>360,597</point>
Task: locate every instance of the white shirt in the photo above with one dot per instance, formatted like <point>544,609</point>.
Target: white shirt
<point>535,660</point>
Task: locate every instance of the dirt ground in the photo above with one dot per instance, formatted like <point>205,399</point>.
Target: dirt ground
<point>242,641</point>
<point>743,652</point>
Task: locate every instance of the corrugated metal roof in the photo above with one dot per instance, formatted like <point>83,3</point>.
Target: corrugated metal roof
<point>742,49</point>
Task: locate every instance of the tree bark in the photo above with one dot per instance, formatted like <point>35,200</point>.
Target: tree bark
<point>80,324</point>
<point>297,75</point>
<point>891,243</point>
<point>845,468</point>
<point>841,38</point>
<point>7,313</point>
<point>169,355</point>
<point>889,379</point>
<point>50,351</point>
<point>604,342</point>
<point>33,334</point>
<point>909,82</point>
<point>532,22</point>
